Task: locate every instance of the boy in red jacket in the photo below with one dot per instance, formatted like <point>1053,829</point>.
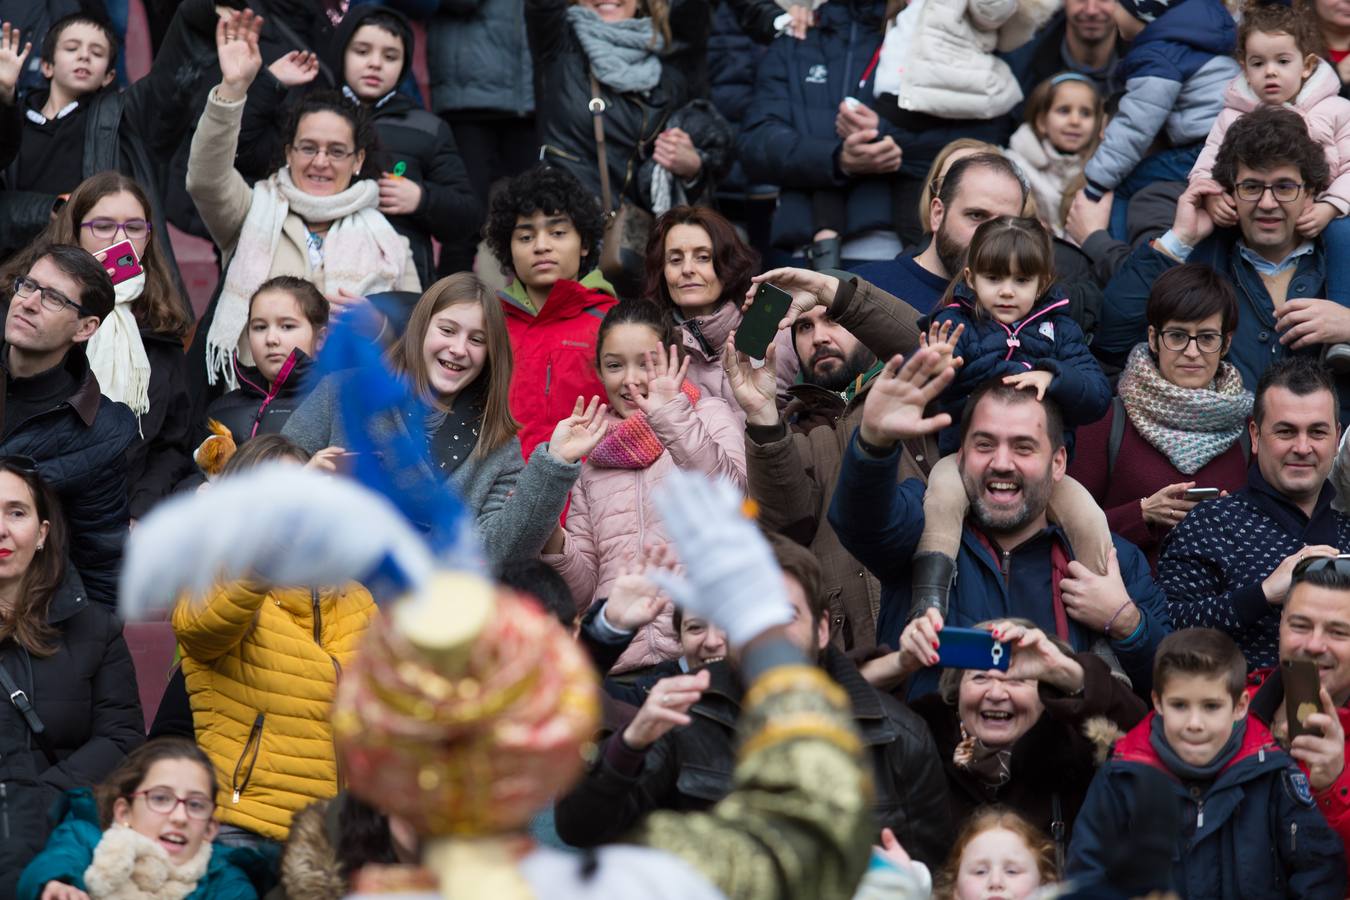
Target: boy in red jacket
<point>545,229</point>
<point>1315,626</point>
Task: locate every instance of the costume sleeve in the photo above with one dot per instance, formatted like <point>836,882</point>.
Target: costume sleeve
<point>797,823</point>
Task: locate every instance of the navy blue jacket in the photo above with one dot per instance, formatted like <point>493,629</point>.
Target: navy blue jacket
<point>788,136</point>
<point>880,520</point>
<point>1254,833</point>
<point>1256,343</point>
<point>1047,339</point>
<point>1214,561</point>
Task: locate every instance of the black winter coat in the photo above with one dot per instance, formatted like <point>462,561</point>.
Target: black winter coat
<point>161,455</point>
<point>86,696</point>
<point>1053,764</point>
<point>407,134</point>
<point>563,90</point>
<point>691,768</point>
<point>251,409</point>
<point>81,447</point>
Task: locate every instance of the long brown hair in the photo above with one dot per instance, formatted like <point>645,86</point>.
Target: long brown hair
<point>498,426</point>
<point>733,260</point>
<point>158,309</point>
<point>127,778</point>
<point>988,819</point>
<point>27,621</point>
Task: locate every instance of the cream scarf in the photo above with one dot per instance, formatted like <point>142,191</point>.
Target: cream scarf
<point>130,866</point>
<point>362,253</point>
<point>117,355</point>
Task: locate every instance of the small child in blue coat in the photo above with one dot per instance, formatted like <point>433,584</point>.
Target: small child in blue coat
<point>148,834</point>
<point>1000,318</point>
<point>1249,825</point>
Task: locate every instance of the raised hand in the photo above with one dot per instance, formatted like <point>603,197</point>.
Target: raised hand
<point>666,707</point>
<point>1323,753</point>
<point>296,68</point>
<point>675,151</point>
<point>664,376</point>
<point>237,50</point>
<point>943,338</point>
<point>577,435</point>
<point>1193,222</point>
<point>634,599</point>
<point>894,408</point>
<point>1036,658</point>
<point>1036,380</point>
<point>808,289</point>
<point>12,57</point>
<point>756,390</point>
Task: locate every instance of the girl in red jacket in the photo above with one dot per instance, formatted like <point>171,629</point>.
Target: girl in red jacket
<point>658,422</point>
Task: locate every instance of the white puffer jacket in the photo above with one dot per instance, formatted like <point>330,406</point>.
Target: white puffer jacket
<point>941,61</point>
<point>1047,170</point>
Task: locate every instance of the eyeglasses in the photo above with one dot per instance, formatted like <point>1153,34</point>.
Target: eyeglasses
<point>51,298</point>
<point>335,154</point>
<point>1179,341</point>
<point>164,801</point>
<point>1252,191</point>
<point>106,229</point>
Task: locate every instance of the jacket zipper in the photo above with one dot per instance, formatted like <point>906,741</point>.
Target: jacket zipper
<point>1293,837</point>
<point>318,617</point>
<point>698,336</point>
<point>4,811</point>
<point>337,669</point>
<point>254,741</point>
<point>548,377</point>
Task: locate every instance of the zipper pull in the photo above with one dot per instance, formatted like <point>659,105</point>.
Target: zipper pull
<point>236,795</point>
<point>1293,837</point>
<point>1200,817</point>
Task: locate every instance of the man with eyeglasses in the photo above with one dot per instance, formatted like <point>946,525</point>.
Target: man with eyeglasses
<point>1273,172</point>
<point>54,412</point>
<point>1316,628</point>
<point>1228,564</point>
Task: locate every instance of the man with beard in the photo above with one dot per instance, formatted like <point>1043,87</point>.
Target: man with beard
<point>792,458</point>
<point>651,764</point>
<point>1228,564</point>
<point>976,189</point>
<point>1315,627</point>
<point>1083,39</point>
<point>1013,562</point>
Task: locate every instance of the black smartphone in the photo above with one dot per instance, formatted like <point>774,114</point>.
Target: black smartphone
<point>971,648</point>
<point>1302,694</point>
<point>1202,494</point>
<point>759,326</point>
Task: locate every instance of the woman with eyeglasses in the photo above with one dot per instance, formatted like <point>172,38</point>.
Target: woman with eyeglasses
<point>69,708</point>
<point>145,831</point>
<point>315,217</point>
<point>1178,422</point>
<point>137,353</point>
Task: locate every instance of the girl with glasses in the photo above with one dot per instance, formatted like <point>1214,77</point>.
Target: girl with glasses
<point>1180,416</point>
<point>137,353</point>
<point>146,831</point>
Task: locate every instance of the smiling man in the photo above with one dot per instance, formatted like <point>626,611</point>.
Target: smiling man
<point>1013,562</point>
<point>544,228</point>
<point>1272,172</point>
<point>53,410</point>
<point>1228,564</point>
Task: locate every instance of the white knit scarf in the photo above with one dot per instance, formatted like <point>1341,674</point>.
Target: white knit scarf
<point>128,865</point>
<point>117,355</point>
<point>362,254</point>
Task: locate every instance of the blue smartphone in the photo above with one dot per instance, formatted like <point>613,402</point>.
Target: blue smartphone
<point>971,648</point>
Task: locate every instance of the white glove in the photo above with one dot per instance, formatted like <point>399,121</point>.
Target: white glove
<point>731,579</point>
<point>282,524</point>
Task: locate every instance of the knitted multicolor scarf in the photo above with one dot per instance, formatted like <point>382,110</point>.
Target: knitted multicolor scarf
<point>632,444</point>
<point>1190,426</point>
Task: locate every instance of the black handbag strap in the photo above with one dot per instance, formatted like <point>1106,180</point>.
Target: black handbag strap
<point>25,707</point>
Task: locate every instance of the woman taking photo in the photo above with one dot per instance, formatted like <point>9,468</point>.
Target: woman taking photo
<point>699,269</point>
<point>315,217</point>
<point>137,353</point>
<point>457,356</point>
<point>1179,416</point>
<point>67,656</point>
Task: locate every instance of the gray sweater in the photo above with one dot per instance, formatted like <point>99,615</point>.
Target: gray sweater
<point>517,505</point>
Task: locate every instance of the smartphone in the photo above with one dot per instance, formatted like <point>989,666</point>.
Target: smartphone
<point>1202,494</point>
<point>760,323</point>
<point>971,648</point>
<point>121,262</point>
<point>1302,694</point>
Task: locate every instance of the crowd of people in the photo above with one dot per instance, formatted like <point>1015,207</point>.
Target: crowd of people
<point>1047,590</point>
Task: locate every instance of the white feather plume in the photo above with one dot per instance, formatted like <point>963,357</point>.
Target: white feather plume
<point>280,523</point>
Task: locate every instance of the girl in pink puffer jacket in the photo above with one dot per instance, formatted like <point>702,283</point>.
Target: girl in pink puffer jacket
<point>1280,68</point>
<point>658,422</point>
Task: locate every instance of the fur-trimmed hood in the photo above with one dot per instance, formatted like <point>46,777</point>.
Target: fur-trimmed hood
<point>309,866</point>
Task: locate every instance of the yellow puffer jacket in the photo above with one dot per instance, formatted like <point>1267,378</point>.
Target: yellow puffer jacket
<point>261,669</point>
